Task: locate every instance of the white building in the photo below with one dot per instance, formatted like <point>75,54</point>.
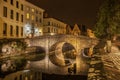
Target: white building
<point>20,19</point>
<point>11,18</point>
<point>53,26</point>
<point>33,20</point>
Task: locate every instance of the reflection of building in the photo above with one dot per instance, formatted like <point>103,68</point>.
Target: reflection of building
<point>11,18</point>
<point>53,26</point>
<point>33,20</point>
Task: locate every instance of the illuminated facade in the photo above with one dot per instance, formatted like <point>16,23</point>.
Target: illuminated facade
<point>68,30</point>
<point>90,33</point>
<point>53,26</point>
<point>33,20</point>
<point>76,30</point>
<point>11,18</point>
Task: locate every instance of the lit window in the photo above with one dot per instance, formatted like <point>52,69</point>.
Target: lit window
<point>28,16</point>
<point>32,17</point>
<point>33,10</point>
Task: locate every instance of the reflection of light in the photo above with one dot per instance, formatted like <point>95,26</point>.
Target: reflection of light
<point>36,32</point>
<point>40,30</point>
<point>26,70</point>
<point>52,33</point>
<point>27,29</point>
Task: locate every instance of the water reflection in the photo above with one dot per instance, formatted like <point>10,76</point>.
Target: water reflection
<point>18,62</point>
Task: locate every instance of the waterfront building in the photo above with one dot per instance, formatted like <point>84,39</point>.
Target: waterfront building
<point>68,30</point>
<point>53,26</point>
<point>11,18</point>
<point>76,30</point>
<point>20,19</point>
<point>90,33</point>
<point>33,20</point>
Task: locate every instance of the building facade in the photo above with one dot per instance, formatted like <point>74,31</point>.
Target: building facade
<point>90,33</point>
<point>53,26</point>
<point>20,19</point>
<point>33,20</point>
<point>76,30</point>
<point>11,18</point>
<point>68,30</point>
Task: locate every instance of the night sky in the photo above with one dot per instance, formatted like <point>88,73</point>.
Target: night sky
<point>71,11</point>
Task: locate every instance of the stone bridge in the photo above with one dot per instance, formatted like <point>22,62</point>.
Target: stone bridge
<point>53,46</point>
<point>48,42</point>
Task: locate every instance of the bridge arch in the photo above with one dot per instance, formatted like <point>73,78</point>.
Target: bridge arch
<point>62,53</point>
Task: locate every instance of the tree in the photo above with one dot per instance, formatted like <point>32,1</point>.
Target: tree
<point>108,20</point>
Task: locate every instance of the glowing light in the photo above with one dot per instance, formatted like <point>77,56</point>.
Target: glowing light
<point>52,33</point>
<point>27,30</point>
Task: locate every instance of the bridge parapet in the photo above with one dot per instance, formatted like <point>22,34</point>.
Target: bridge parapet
<point>78,42</point>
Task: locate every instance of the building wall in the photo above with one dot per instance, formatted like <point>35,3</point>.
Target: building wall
<point>11,14</point>
<point>53,26</point>
<point>33,19</point>
<point>90,33</point>
<point>68,30</point>
<point>76,30</point>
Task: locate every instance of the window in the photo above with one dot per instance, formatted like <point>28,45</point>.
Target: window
<point>28,16</point>
<point>48,29</point>
<point>48,23</point>
<point>11,2</point>
<point>5,0</point>
<point>17,16</point>
<point>36,19</point>
<point>28,8</point>
<point>36,12</point>
<point>5,29</point>
<point>17,30</point>
<point>21,18</point>
<point>22,7</point>
<point>11,14</point>
<point>21,31</point>
<point>11,30</point>
<point>20,77</point>
<point>15,78</point>
<point>5,11</point>
<point>40,20</point>
<point>17,4</point>
<point>33,10</point>
<point>32,17</point>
